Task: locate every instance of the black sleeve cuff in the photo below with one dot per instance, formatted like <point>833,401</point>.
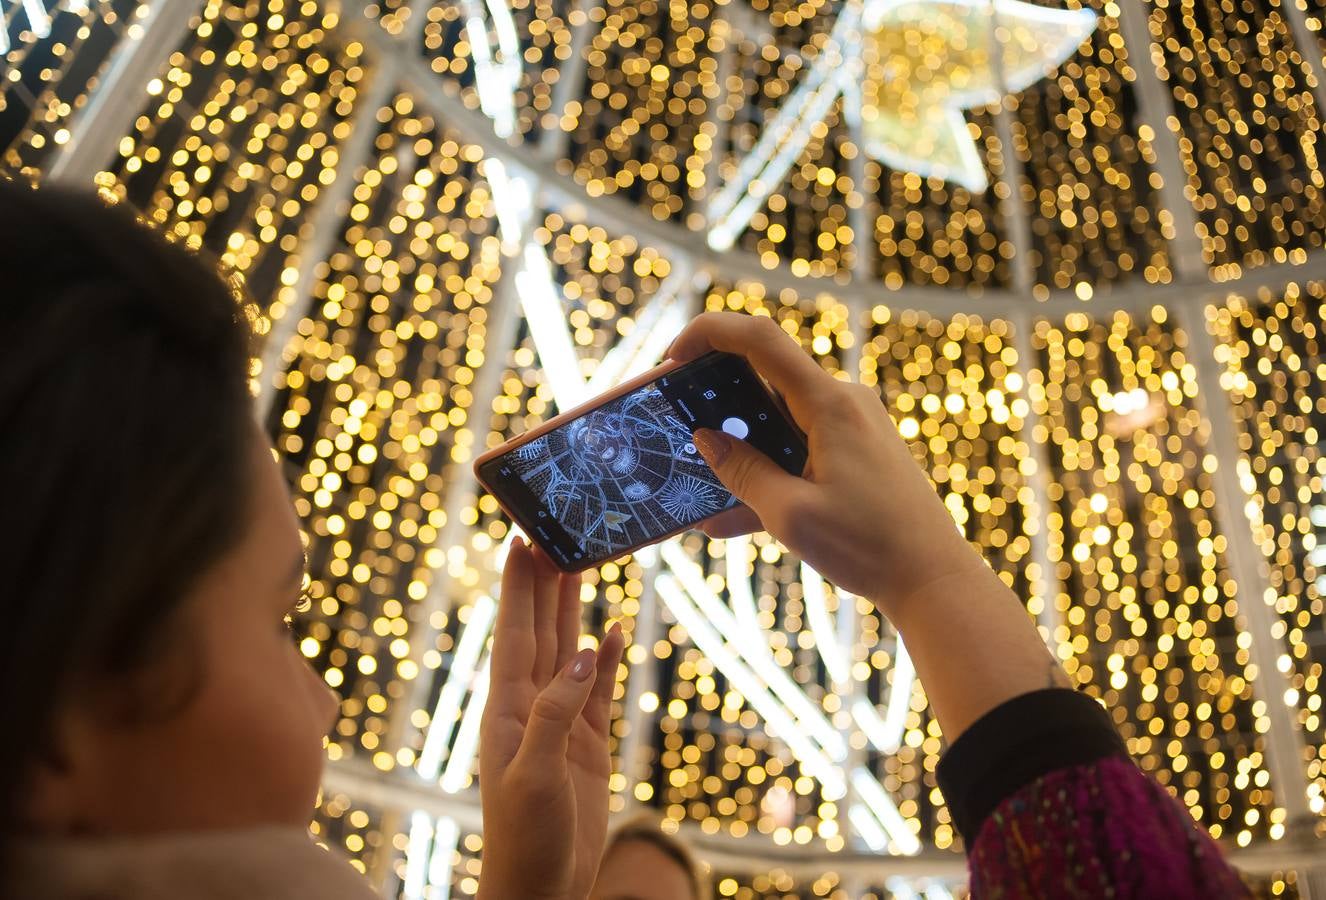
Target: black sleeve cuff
<point>1017,742</point>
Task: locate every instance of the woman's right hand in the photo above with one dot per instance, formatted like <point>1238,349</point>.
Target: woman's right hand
<point>864,514</point>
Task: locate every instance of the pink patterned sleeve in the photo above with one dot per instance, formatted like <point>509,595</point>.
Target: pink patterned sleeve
<point>1050,806</point>
<point>1102,829</point>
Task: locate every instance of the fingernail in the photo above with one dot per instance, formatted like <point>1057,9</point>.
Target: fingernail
<point>713,446</point>
<point>582,665</point>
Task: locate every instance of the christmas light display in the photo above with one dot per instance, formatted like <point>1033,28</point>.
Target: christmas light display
<point>1076,248</point>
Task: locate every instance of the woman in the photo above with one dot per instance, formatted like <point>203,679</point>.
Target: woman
<point>1037,779</point>
<point>164,735</point>
<point>153,556</point>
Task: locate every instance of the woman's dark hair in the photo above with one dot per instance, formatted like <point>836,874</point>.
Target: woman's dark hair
<point>125,442</point>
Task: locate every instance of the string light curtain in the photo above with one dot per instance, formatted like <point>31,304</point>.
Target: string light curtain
<point>456,215</point>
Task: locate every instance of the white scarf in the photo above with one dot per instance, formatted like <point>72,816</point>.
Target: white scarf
<point>242,864</point>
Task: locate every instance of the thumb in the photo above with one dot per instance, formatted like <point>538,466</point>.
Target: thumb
<point>753,478</point>
<point>557,707</point>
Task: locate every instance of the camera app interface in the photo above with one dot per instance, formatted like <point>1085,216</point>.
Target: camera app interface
<point>628,472</point>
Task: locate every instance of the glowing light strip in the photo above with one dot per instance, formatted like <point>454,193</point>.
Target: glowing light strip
<point>868,828</point>
<point>496,81</point>
<point>428,875</point>
<point>817,610</point>
<point>886,734</point>
<point>38,19</point>
<point>490,100</point>
<point>869,790</point>
<point>509,45</point>
<point>466,743</point>
<point>445,839</point>
<point>507,40</point>
<point>416,869</point>
<point>673,319</point>
<point>548,327</point>
<point>497,84</point>
<point>937,892</point>
<point>736,551</point>
<point>513,200</point>
<point>812,758</point>
<point>900,696</point>
<point>867,718</point>
<point>757,655</point>
<point>458,681</point>
<point>901,890</point>
<point>457,772</point>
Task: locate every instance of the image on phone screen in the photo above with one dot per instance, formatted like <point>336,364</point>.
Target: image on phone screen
<point>627,472</point>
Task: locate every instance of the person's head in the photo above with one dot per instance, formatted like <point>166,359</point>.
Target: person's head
<point>641,862</point>
<point>150,551</point>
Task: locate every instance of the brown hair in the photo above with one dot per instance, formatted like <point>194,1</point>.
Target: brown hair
<point>645,829</point>
<point>125,428</point>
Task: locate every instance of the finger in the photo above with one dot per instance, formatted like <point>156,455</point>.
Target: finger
<point>598,711</point>
<point>555,711</point>
<point>773,353</point>
<point>568,618</point>
<point>513,634</point>
<point>545,577</point>
<point>753,478</point>
<point>732,522</point>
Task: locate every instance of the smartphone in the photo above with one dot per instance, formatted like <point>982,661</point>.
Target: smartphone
<point>622,471</point>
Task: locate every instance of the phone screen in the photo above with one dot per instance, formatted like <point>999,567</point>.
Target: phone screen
<point>627,473</point>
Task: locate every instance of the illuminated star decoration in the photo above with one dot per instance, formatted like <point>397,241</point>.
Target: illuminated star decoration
<point>936,62</point>
<point>927,61</point>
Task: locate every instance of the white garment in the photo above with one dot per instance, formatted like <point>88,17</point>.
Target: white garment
<point>241,864</point>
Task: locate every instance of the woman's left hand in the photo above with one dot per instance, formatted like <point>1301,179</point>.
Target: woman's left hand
<point>543,752</point>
